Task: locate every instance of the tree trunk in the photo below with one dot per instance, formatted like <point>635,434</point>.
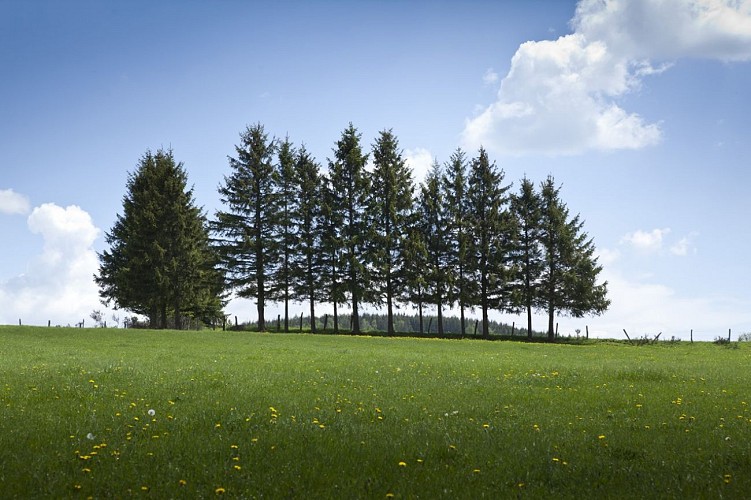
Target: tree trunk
<point>336,319</point>
<point>312,313</point>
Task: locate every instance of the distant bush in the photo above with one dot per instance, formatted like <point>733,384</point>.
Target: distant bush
<point>744,337</point>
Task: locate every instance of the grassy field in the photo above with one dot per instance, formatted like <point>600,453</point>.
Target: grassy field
<point>196,414</point>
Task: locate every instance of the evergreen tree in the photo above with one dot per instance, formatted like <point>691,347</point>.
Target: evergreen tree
<point>306,264</point>
<point>245,230</point>
<point>455,195</point>
<point>434,228</point>
<point>286,236</point>
<point>350,184</point>
<point>416,261</point>
<point>569,278</point>
<point>331,221</point>
<point>493,236</point>
<point>527,211</point>
<point>391,207</point>
<point>160,261</point>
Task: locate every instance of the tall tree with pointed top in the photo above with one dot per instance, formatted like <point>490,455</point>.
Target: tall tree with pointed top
<point>526,207</point>
<point>454,187</point>
<point>390,203</point>
<point>493,238</point>
<point>331,252</point>
<point>307,261</point>
<point>433,224</point>
<point>570,273</point>
<point>350,184</point>
<point>160,262</point>
<point>244,232</point>
<point>286,237</point>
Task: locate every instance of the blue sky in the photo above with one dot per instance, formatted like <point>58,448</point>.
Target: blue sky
<point>639,108</point>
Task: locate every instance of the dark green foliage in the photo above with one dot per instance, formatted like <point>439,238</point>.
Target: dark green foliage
<point>160,262</point>
<point>307,261</point>
<point>526,207</point>
<point>569,278</point>
<point>286,238</point>
<point>455,197</point>
<point>246,231</point>
<point>433,225</point>
<point>493,234</point>
<point>390,204</point>
<point>349,204</point>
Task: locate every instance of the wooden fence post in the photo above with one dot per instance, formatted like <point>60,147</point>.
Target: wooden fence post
<point>325,321</point>
<point>692,335</point>
<point>728,334</point>
<point>300,321</point>
<point>477,322</point>
<point>513,324</point>
<point>430,324</point>
<point>587,329</point>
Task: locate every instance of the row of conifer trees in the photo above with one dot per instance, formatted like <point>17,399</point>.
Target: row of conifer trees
<point>354,234</point>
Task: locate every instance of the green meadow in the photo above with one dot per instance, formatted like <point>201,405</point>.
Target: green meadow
<point>168,414</point>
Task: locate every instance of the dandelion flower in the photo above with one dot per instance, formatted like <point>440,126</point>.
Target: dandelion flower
<point>402,464</point>
<point>601,436</point>
<point>220,491</point>
<point>182,482</point>
<point>90,436</point>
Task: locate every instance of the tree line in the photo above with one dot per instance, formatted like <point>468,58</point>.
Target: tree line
<point>290,231</point>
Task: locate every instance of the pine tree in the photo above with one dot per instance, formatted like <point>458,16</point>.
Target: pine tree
<point>527,210</point>
<point>286,236</point>
<point>569,278</point>
<point>390,203</point>
<point>493,236</point>
<point>454,187</point>
<point>416,261</point>
<point>350,184</point>
<point>433,225</point>
<point>307,262</point>
<point>331,221</point>
<point>245,230</point>
<point>160,261</point>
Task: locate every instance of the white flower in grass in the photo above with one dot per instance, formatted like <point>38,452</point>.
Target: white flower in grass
<point>151,412</point>
<point>90,436</point>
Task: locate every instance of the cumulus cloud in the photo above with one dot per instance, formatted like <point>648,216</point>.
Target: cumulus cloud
<point>684,246</point>
<point>562,96</point>
<point>646,241</point>
<point>419,160</point>
<point>13,203</point>
<point>58,285</point>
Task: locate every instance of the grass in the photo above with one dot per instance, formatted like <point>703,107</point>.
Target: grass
<point>280,416</point>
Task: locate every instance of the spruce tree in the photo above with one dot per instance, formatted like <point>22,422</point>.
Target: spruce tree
<point>160,262</point>
<point>526,207</point>
<point>569,279</point>
<point>390,204</point>
<point>416,261</point>
<point>492,230</point>
<point>286,237</point>
<point>434,227</point>
<point>350,184</point>
<point>307,261</point>
<point>331,253</point>
<point>454,187</point>
<point>245,231</point>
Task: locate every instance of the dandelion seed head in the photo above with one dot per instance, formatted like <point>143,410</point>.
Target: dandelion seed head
<point>151,412</point>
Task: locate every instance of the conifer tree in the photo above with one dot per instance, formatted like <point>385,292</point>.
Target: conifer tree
<point>492,230</point>
<point>526,207</point>
<point>416,261</point>
<point>331,253</point>
<point>307,261</point>
<point>245,230</point>
<point>286,237</point>
<point>350,184</point>
<point>454,187</point>
<point>569,279</point>
<point>160,261</point>
<point>390,203</point>
<point>434,228</point>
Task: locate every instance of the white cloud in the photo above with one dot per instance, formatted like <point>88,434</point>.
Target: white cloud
<point>13,203</point>
<point>561,96</point>
<point>683,246</point>
<point>58,285</point>
<point>490,77</point>
<point>419,160</point>
<point>646,241</point>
